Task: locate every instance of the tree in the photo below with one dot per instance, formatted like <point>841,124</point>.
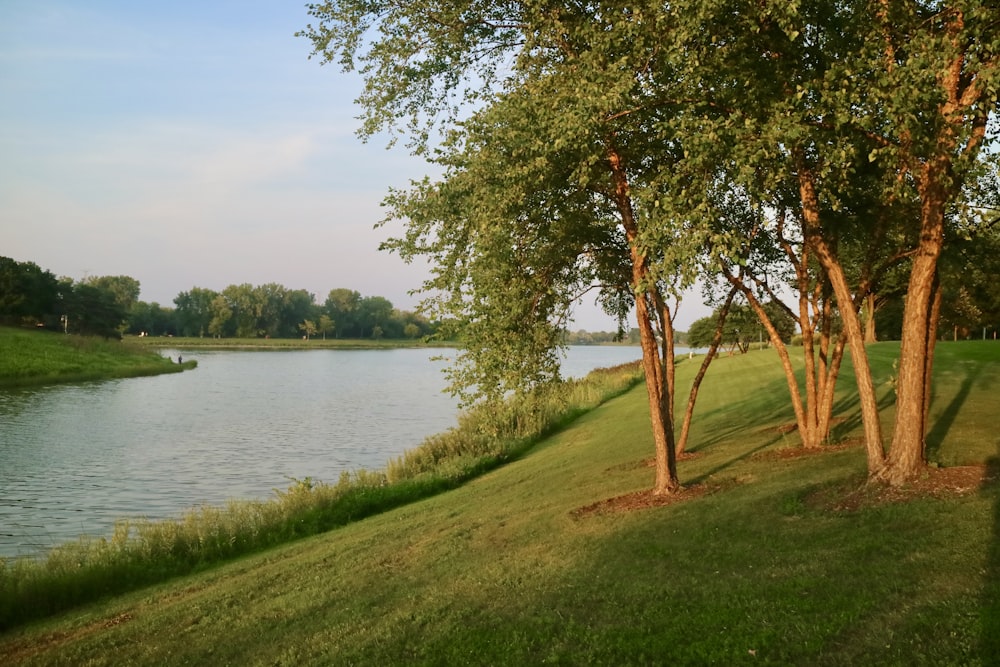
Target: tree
<point>299,305</point>
<point>325,325</point>
<point>372,312</point>
<point>342,307</point>
<point>308,327</point>
<point>150,319</point>
<point>194,311</point>
<point>808,97</point>
<point>26,291</point>
<point>93,311</point>
<point>551,184</point>
<point>125,289</point>
<point>246,307</point>
<point>222,314</point>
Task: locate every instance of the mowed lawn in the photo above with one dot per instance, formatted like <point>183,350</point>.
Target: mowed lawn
<point>764,567</point>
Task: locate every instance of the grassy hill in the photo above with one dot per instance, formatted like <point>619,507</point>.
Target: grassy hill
<point>778,559</point>
<point>32,357</point>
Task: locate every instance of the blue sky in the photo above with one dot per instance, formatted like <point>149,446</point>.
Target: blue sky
<point>192,144</point>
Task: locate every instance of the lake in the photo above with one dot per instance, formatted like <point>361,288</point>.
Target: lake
<point>74,458</point>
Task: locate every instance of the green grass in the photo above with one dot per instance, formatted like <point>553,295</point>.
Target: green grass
<point>502,571</point>
<point>32,357</point>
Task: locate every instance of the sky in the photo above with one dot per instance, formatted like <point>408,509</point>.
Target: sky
<point>195,144</point>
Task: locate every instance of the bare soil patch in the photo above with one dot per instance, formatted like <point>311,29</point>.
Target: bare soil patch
<point>640,500</point>
<point>854,495</point>
<point>789,453</point>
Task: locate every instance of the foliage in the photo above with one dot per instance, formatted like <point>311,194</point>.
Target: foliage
<point>700,128</point>
<point>26,291</point>
<point>742,328</point>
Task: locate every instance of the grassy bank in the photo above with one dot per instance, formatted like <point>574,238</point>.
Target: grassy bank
<point>33,357</point>
<point>141,552</point>
<point>767,565</point>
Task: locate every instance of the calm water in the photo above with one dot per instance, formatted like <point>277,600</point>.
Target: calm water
<point>74,458</point>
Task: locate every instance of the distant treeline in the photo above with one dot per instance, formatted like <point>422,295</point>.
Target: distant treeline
<point>109,306</point>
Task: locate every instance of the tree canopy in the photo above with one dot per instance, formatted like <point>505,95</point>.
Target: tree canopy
<point>626,149</point>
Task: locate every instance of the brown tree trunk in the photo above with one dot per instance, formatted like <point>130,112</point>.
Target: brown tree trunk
<point>852,323</point>
<point>906,453</point>
<point>779,346</point>
<point>656,385</point>
<point>870,336</point>
<point>696,385</point>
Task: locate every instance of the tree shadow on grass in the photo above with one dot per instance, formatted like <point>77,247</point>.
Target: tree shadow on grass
<point>936,435</point>
<point>851,405</point>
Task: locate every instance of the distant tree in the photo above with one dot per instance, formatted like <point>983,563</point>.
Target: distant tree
<point>150,319</point>
<point>308,327</point>
<point>271,300</point>
<point>125,289</point>
<point>299,305</point>
<point>93,311</point>
<point>342,305</point>
<point>324,325</point>
<point>26,291</point>
<point>194,311</point>
<point>244,302</point>
<point>701,331</point>
<point>374,311</point>
<point>221,316</point>
<point>411,331</point>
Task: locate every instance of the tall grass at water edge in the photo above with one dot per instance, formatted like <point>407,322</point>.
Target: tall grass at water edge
<point>140,552</point>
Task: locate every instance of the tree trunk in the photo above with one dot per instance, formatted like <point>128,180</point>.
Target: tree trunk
<point>852,323</point>
<point>870,336</point>
<point>696,385</point>
<point>656,387</point>
<point>906,454</point>
<point>801,415</point>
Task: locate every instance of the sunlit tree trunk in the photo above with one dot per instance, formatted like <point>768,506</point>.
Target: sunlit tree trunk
<point>870,336</point>
<point>852,323</point>
<point>713,348</point>
<point>654,370</point>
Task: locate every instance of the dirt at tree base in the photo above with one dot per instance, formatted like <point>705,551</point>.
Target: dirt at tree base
<point>850,495</point>
<point>640,500</point>
<point>854,495</point>
<point>787,453</point>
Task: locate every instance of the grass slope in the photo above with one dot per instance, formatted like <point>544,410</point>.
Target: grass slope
<point>33,357</point>
<point>504,570</point>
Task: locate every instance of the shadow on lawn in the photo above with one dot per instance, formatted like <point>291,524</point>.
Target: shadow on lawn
<point>936,435</point>
<point>990,607</point>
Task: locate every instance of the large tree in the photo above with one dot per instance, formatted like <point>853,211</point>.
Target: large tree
<point>553,183</point>
<point>810,108</point>
<point>26,291</point>
<point>810,93</point>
